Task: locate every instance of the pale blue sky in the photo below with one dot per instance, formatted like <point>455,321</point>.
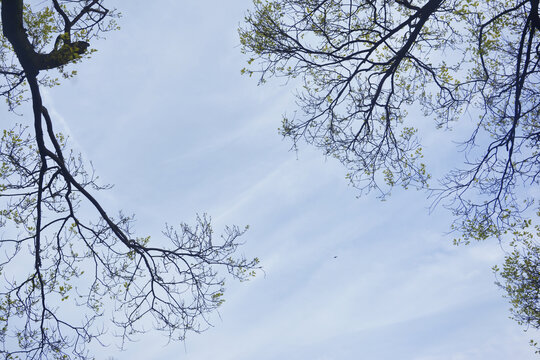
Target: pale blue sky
<point>162,112</point>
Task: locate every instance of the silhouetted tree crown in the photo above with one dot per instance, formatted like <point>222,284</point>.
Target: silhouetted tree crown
<point>61,270</point>
<point>360,65</point>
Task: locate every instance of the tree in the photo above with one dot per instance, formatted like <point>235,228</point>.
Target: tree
<point>81,263</point>
<point>521,273</point>
<point>361,65</point>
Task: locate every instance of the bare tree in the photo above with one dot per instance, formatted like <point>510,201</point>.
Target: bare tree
<point>69,261</point>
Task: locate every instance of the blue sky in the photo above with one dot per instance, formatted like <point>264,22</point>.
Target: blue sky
<point>162,112</point>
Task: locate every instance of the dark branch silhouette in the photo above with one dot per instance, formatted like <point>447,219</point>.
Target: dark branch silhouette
<point>361,64</point>
<point>81,269</point>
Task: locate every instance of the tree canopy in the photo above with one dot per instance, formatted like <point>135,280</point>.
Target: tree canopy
<point>361,65</point>
<point>78,268</point>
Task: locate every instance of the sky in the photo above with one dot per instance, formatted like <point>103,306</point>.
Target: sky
<point>163,113</point>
